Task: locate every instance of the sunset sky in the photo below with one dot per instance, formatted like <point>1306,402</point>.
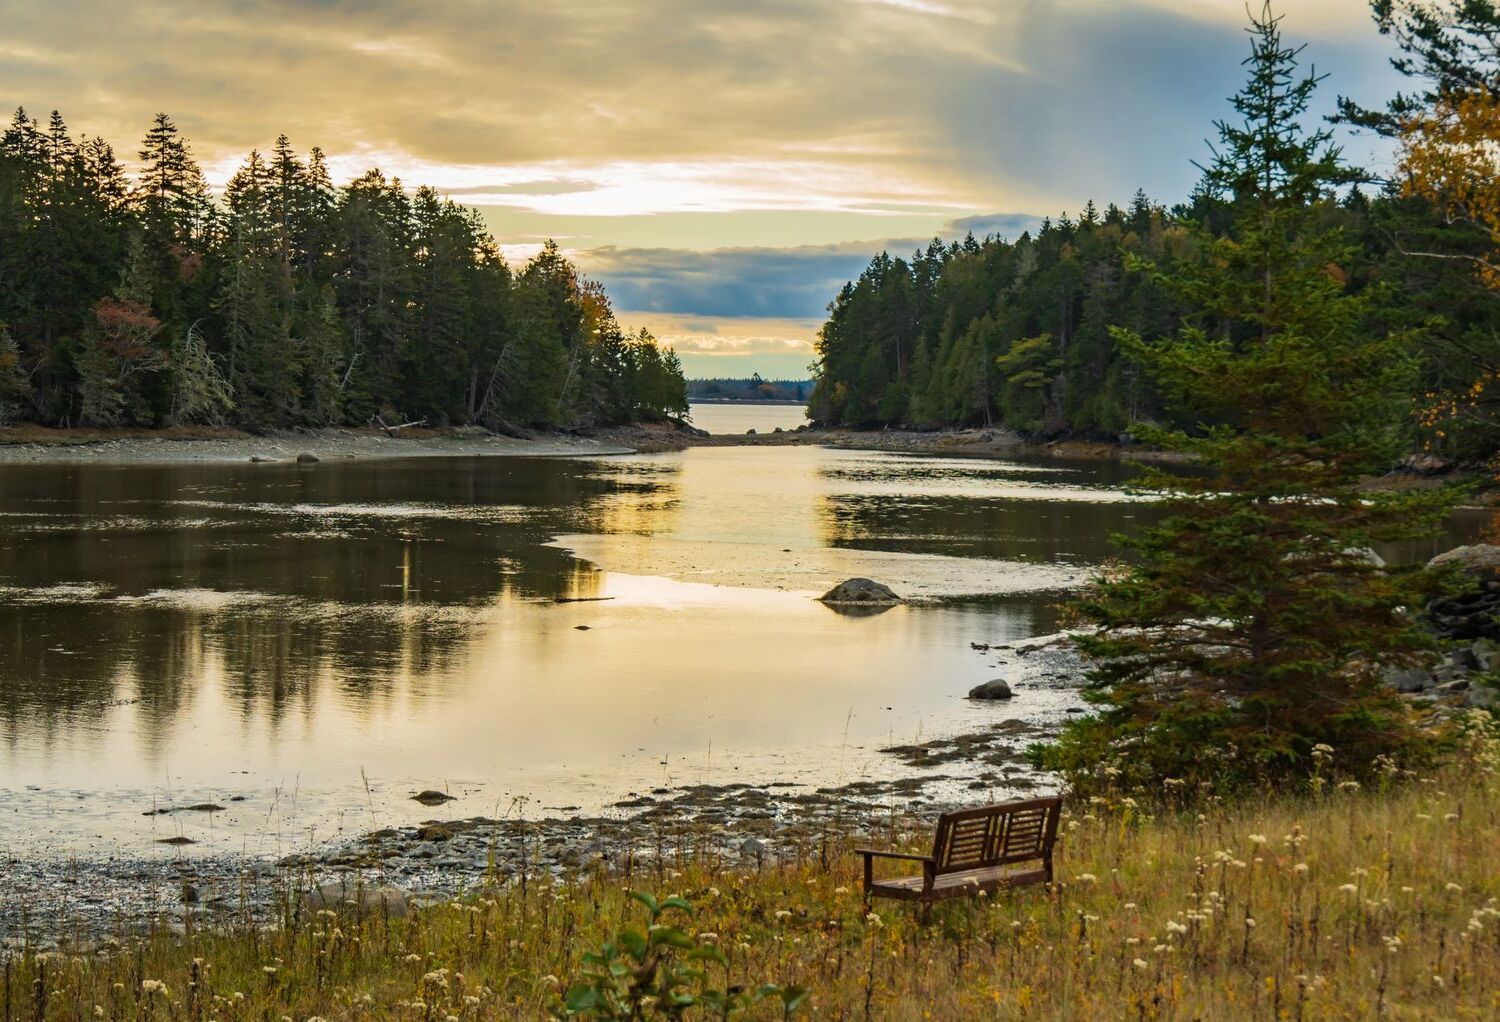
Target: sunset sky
<point>722,167</point>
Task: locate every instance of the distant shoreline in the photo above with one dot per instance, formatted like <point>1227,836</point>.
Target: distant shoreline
<point>745,401</point>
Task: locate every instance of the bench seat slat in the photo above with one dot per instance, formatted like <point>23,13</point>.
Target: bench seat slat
<point>960,884</point>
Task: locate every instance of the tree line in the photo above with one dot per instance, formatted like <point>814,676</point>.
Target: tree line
<point>145,300</point>
<point>1019,332</point>
<point>752,388</point>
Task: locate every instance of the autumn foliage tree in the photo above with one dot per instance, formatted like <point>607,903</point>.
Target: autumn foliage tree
<point>1450,158</point>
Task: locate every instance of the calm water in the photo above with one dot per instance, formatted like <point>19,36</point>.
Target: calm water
<point>737,418</point>
<point>321,641</point>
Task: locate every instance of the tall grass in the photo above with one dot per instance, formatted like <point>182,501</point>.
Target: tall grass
<point>1344,904</point>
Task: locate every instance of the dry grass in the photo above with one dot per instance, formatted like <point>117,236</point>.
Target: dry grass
<point>1356,904</point>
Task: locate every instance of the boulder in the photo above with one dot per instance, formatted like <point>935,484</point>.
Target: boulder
<point>1483,696</point>
<point>861,591</point>
<point>999,688</point>
<point>1482,560</point>
<point>1426,465</point>
<point>1475,612</point>
<point>1486,654</point>
<point>350,894</point>
<point>1408,679</point>
<point>307,458</point>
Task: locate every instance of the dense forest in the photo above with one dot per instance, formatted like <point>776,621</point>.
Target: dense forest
<point>287,301</point>
<point>1019,332</point>
<point>752,388</point>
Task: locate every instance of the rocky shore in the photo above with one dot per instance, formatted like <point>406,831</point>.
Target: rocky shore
<point>213,445</point>
<point>48,902</point>
<point>1467,624</point>
<point>30,445</point>
<point>25,444</point>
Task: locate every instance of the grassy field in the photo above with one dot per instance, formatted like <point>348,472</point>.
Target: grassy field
<point>1347,904</point>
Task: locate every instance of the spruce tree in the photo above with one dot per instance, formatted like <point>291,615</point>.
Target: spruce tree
<point>1253,624</point>
<point>255,300</point>
<point>172,195</point>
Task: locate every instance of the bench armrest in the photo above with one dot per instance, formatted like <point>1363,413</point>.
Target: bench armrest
<point>929,866</point>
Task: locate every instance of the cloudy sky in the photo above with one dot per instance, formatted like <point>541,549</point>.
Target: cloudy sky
<point>722,165</point>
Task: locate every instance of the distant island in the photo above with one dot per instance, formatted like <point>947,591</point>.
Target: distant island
<point>751,388</point>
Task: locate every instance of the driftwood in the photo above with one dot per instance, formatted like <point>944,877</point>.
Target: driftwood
<point>392,430</point>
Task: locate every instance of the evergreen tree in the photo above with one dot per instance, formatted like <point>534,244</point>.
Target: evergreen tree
<point>374,280</point>
<point>255,302</point>
<point>1252,624</point>
<point>171,195</point>
<point>15,388</point>
<point>292,302</point>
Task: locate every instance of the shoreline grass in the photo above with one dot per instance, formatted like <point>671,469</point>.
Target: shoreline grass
<point>1352,904</point>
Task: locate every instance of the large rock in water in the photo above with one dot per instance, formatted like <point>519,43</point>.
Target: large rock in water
<point>862,591</point>
<point>997,689</point>
<point>432,798</point>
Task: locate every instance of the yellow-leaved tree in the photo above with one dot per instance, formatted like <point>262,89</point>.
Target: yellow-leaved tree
<point>1450,157</point>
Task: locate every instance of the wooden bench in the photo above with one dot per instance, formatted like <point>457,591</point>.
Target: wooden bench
<point>984,849</point>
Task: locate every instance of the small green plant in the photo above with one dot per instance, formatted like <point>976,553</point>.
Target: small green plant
<point>662,972</point>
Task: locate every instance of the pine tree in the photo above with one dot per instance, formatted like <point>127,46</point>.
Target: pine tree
<point>1252,625</point>
<point>373,281</point>
<point>255,302</point>
<point>1451,46</point>
<point>172,195</point>
<point>1140,211</point>
<point>326,362</point>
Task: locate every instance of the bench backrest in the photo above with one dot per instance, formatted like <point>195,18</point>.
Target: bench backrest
<point>996,835</point>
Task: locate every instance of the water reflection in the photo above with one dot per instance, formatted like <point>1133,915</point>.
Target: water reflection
<point>566,629</point>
